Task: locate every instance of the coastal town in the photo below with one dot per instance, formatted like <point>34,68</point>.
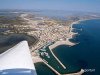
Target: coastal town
<point>49,32</point>
<point>46,30</point>
<point>49,37</point>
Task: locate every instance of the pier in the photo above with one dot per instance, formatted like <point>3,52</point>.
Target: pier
<point>62,42</point>
<point>67,42</point>
<point>57,59</point>
<point>51,67</point>
<point>56,72</point>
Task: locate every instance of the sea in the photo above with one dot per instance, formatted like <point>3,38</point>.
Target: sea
<point>85,54</point>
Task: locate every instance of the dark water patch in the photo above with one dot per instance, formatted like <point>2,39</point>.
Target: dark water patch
<point>67,58</point>
<point>3,29</point>
<point>7,41</point>
<point>89,39</point>
<point>42,69</point>
<point>86,54</point>
<point>54,63</point>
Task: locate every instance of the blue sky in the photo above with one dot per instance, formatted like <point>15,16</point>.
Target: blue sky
<point>73,5</point>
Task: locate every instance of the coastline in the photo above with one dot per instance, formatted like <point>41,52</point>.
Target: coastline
<point>70,35</point>
<point>32,23</point>
<point>68,43</point>
<point>61,42</point>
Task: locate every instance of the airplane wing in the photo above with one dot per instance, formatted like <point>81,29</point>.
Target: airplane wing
<point>17,61</point>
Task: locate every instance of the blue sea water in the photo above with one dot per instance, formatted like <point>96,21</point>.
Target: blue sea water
<point>86,54</point>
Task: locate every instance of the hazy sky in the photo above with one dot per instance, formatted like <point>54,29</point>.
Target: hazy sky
<point>73,5</point>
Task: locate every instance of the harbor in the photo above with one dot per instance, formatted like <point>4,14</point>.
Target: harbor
<point>49,58</point>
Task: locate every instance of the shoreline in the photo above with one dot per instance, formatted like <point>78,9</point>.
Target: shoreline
<point>69,36</point>
<point>66,42</point>
<point>37,59</point>
<point>59,41</point>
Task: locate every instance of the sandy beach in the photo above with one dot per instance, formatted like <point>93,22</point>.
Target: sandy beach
<point>70,36</point>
